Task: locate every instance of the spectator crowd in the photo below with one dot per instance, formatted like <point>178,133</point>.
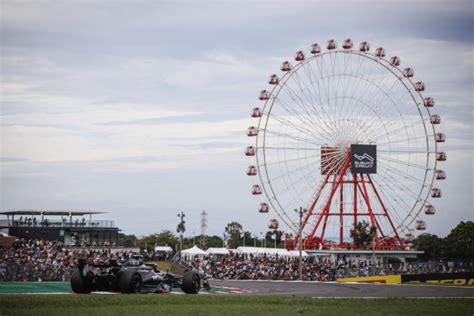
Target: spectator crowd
<point>251,267</point>
<point>38,260</point>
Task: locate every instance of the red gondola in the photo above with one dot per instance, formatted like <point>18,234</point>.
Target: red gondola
<point>299,56</point>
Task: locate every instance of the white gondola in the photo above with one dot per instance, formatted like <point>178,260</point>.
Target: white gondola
<point>273,224</point>
<point>263,95</point>
<point>263,208</point>
<point>315,49</point>
<point>252,131</point>
<point>420,86</point>
<point>256,189</point>
<point>440,174</point>
<point>430,209</point>
<point>440,137</point>
<point>364,46</point>
<point>250,151</point>
<point>380,52</point>
<point>429,102</point>
<point>395,61</point>
<point>285,66</point>
<point>347,44</point>
<point>331,44</point>
<point>273,80</point>
<point>256,112</point>
<point>408,72</point>
<point>441,156</point>
<point>435,193</point>
<point>251,171</point>
<point>420,225</point>
<point>435,119</point>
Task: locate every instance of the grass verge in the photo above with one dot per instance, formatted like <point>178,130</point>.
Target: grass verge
<point>225,305</point>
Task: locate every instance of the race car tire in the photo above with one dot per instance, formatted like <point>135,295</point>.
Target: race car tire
<point>79,284</point>
<point>130,282</point>
<point>191,283</point>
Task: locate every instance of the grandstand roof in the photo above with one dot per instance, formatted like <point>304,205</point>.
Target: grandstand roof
<point>50,213</point>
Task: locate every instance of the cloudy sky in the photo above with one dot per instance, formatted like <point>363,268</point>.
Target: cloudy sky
<point>140,109</point>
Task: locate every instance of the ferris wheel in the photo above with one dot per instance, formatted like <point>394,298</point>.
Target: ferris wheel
<point>347,134</point>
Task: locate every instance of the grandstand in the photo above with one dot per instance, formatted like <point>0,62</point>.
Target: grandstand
<point>69,227</point>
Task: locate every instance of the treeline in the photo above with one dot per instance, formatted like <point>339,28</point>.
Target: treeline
<point>458,244</point>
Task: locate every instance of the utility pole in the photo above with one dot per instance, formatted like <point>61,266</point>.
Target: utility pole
<point>373,230</point>
<point>300,212</point>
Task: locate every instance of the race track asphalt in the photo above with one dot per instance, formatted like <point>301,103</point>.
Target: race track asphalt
<point>318,289</point>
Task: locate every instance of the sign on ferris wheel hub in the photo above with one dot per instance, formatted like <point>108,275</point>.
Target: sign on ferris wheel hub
<point>313,139</point>
<point>363,158</point>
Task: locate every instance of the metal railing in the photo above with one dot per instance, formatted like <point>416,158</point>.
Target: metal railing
<point>55,223</point>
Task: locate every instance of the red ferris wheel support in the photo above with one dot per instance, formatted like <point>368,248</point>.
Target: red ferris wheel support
<point>362,187</point>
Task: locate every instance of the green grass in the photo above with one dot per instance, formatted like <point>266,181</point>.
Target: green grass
<point>153,304</point>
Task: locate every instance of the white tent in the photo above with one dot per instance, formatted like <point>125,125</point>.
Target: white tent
<point>261,251</point>
<point>296,253</point>
<point>218,251</point>
<point>194,251</point>
<point>163,249</point>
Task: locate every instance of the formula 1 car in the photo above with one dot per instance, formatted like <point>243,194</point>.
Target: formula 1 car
<point>133,276</point>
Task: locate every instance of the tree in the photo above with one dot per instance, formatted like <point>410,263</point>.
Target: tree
<point>233,231</point>
<point>432,245</point>
<point>214,241</point>
<point>270,237</point>
<point>164,238</point>
<point>362,234</point>
<point>459,244</point>
<point>127,240</point>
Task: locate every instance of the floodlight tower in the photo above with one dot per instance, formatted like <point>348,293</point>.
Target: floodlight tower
<point>203,229</point>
